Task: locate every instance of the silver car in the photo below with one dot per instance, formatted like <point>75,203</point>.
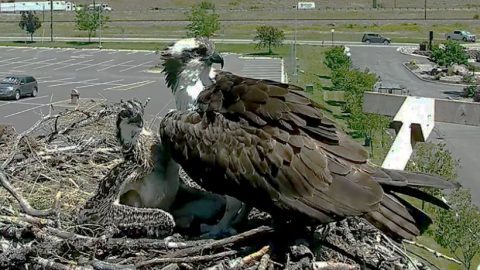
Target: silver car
<point>460,35</point>
<point>17,86</point>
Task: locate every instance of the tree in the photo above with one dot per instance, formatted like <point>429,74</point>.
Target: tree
<point>30,23</point>
<point>89,20</point>
<point>457,229</point>
<point>450,53</point>
<point>434,158</point>
<point>204,22</point>
<point>269,36</point>
<point>335,58</point>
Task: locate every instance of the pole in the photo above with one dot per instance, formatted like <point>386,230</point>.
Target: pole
<point>51,20</point>
<point>295,46</point>
<point>100,10</point>
<point>425,9</point>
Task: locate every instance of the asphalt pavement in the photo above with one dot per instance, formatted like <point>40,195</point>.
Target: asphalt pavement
<point>461,140</point>
<point>100,75</point>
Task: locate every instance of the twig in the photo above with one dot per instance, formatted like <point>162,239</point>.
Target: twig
<point>101,265</point>
<point>188,259</point>
<point>255,256</point>
<point>27,219</point>
<point>219,243</point>
<point>23,203</point>
<point>434,252</point>
<point>333,265</point>
<point>49,264</point>
<point>264,262</point>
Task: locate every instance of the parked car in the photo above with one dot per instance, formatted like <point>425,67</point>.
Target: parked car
<point>460,35</point>
<point>16,86</point>
<point>375,38</point>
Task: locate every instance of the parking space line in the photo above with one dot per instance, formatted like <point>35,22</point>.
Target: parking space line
<point>36,62</point>
<point>74,64</point>
<point>135,66</point>
<point>131,53</point>
<point>5,60</point>
<point>102,83</point>
<point>9,50</point>
<point>97,64</point>
<point>59,80</point>
<point>56,63</point>
<point>41,78</point>
<point>68,83</point>
<point>37,107</point>
<point>113,52</point>
<point>102,69</point>
<point>116,88</point>
<point>135,86</point>
<point>20,102</point>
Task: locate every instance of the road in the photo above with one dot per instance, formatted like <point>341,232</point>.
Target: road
<point>461,140</point>
<point>386,62</point>
<point>100,74</point>
<point>223,40</point>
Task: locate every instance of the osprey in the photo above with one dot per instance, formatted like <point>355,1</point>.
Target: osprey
<point>269,145</point>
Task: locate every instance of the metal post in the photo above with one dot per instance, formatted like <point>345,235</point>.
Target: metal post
<point>51,20</point>
<point>333,30</point>
<point>295,73</point>
<point>100,10</point>
<point>425,9</point>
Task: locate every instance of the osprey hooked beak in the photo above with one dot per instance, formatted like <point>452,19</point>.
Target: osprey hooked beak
<point>217,58</point>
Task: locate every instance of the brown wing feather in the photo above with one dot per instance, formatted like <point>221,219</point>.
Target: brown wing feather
<point>259,168</point>
<point>268,144</point>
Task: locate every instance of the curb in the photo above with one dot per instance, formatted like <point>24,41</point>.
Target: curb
<point>411,54</point>
<point>431,81</point>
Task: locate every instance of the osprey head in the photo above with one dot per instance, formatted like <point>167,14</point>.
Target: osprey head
<point>188,62</point>
<point>129,122</point>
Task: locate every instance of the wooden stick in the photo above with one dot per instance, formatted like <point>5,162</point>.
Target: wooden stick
<point>23,203</point>
<point>187,259</point>
<point>219,243</point>
<point>434,252</point>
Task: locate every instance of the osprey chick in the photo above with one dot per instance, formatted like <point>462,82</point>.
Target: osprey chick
<point>268,144</point>
<point>136,194</point>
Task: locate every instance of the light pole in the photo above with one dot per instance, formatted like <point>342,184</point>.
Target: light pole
<point>333,31</point>
<point>295,45</point>
<point>425,9</point>
<point>51,20</point>
<point>100,9</point>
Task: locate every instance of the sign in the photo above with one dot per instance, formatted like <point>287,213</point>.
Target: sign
<point>306,5</point>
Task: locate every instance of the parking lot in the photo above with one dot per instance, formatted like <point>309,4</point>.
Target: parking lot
<point>102,75</point>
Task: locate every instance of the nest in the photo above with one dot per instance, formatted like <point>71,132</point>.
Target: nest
<point>56,166</point>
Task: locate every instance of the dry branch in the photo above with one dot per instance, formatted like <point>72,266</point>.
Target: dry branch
<point>23,203</point>
<point>434,252</point>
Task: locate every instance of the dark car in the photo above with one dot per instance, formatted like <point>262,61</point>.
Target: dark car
<point>375,38</point>
<point>17,86</point>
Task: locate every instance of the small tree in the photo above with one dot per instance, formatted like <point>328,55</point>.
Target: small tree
<point>335,58</point>
<point>269,36</point>
<point>450,53</point>
<point>30,23</point>
<point>89,20</point>
<point>204,22</point>
<point>434,158</point>
<point>457,229</point>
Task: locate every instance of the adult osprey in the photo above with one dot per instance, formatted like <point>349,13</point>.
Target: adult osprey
<point>269,145</point>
